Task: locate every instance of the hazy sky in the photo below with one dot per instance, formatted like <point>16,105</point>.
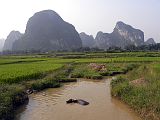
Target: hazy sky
<point>89,16</point>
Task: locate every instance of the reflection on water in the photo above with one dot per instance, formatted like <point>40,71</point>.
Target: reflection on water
<point>51,104</point>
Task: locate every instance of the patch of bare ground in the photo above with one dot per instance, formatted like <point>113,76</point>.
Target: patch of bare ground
<point>138,82</point>
<point>97,67</point>
<point>149,115</point>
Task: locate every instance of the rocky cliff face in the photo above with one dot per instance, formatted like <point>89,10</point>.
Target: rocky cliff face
<point>87,40</point>
<point>103,40</point>
<point>46,30</point>
<point>1,44</point>
<point>123,35</point>
<point>150,41</point>
<point>11,38</point>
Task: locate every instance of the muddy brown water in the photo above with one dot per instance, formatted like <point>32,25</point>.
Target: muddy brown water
<point>51,103</point>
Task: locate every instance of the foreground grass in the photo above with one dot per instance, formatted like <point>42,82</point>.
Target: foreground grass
<point>140,89</point>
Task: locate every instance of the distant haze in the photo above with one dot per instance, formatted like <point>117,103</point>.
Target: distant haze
<point>88,16</point>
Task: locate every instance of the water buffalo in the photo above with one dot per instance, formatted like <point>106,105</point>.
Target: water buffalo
<point>79,101</point>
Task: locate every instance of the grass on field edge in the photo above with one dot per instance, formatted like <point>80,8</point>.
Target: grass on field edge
<point>140,89</point>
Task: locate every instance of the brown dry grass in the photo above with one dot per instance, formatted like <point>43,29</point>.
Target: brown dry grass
<point>138,82</point>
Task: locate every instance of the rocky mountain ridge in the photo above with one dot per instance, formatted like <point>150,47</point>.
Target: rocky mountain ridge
<point>1,44</point>
<point>47,31</point>
<point>11,38</point>
<point>150,41</point>
<point>87,40</point>
<point>123,35</point>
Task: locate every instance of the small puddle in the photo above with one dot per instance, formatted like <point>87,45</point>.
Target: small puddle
<point>51,103</point>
